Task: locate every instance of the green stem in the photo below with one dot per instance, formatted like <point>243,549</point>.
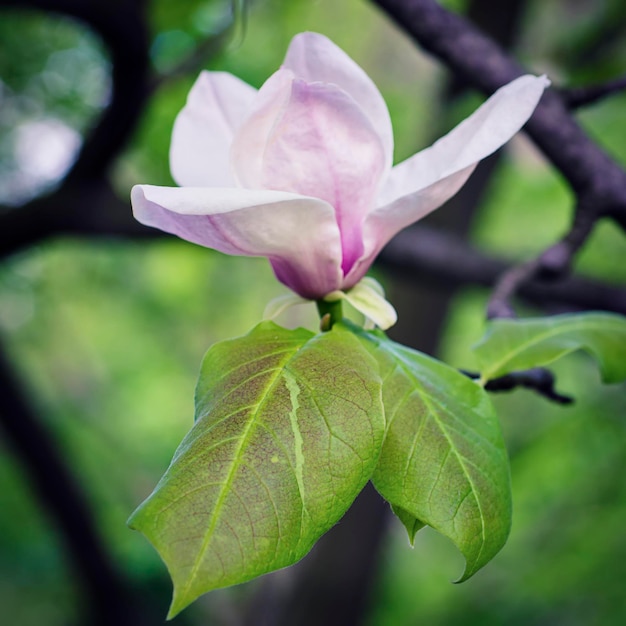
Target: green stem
<point>330,313</point>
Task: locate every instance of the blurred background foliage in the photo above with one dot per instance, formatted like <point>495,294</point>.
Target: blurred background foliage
<point>110,335</point>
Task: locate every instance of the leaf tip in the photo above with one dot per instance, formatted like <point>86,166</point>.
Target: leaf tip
<point>411,524</point>
<point>178,604</point>
<point>467,574</point>
<point>131,522</point>
<point>137,519</point>
<point>186,591</point>
<point>475,562</point>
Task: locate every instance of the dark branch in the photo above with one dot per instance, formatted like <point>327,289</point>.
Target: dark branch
<point>92,209</point>
<point>51,479</point>
<point>122,27</point>
<point>596,178</point>
<point>540,380</point>
<point>83,195</point>
<point>428,256</point>
<point>201,53</point>
<point>507,286</point>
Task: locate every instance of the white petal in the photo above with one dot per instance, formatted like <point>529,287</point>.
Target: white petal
<point>481,134</point>
<point>280,304</point>
<point>323,146</point>
<point>314,140</point>
<point>204,130</point>
<point>298,234</point>
<point>383,223</point>
<point>314,58</point>
<point>250,141</point>
<point>426,180</point>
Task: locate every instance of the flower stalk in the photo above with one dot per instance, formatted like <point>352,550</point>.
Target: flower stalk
<point>330,312</point>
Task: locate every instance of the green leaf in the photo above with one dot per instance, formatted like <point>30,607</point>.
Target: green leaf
<point>409,521</point>
<point>443,462</point>
<point>510,345</point>
<point>289,429</point>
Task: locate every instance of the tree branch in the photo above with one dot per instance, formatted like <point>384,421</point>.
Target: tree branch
<point>538,379</point>
<point>597,180</point>
<point>122,26</point>
<point>444,261</point>
<point>554,263</point>
<point>591,172</point>
<point>109,598</point>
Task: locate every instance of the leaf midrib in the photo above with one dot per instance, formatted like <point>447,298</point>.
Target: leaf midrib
<point>549,333</point>
<point>234,467</point>
<point>520,348</point>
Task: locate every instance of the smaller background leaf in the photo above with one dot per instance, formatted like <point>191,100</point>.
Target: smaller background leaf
<point>510,345</point>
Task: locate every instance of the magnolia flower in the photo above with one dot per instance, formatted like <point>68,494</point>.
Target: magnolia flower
<point>300,171</point>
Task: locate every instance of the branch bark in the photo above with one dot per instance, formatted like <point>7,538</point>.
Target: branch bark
<point>108,596</point>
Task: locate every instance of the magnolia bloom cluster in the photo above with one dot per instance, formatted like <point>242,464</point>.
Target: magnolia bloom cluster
<point>301,171</point>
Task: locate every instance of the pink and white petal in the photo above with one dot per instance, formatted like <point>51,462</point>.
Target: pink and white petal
<point>250,141</point>
<point>314,58</point>
<point>204,129</point>
<point>478,136</point>
<point>425,181</point>
<point>385,222</point>
<point>298,234</point>
<point>325,147</point>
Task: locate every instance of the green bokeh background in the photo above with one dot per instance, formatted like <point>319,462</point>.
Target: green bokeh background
<point>109,335</point>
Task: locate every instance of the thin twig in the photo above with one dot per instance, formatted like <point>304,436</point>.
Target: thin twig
<point>442,261</point>
<point>578,97</point>
<point>552,264</point>
<point>537,379</point>
<point>508,285</point>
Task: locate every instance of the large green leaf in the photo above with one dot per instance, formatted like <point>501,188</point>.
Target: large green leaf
<point>289,429</point>
<point>510,345</point>
<point>443,461</point>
